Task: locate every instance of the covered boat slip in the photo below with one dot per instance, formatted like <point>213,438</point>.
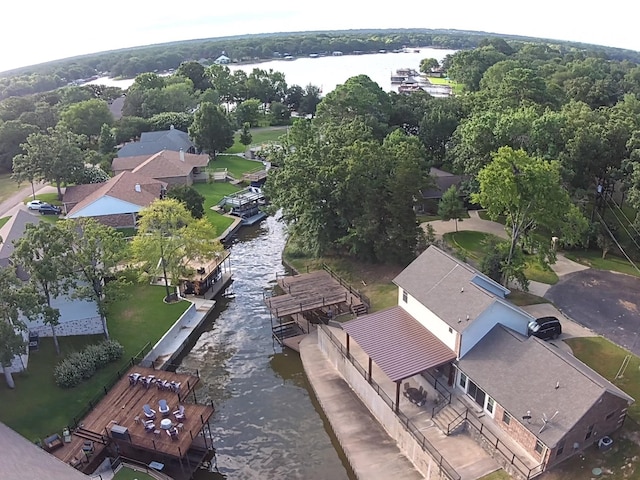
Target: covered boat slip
<point>310,299</point>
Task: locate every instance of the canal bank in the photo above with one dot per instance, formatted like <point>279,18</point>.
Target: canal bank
<point>371,452</point>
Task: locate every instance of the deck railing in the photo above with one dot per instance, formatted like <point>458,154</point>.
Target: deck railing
<point>499,446</point>
<point>445,468</point>
<point>348,286</point>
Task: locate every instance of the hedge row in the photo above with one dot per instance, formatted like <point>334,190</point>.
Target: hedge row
<point>79,366</point>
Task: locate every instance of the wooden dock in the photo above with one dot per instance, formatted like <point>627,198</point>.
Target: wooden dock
<point>122,405</point>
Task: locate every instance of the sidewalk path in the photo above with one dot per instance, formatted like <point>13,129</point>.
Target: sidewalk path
<point>562,267</point>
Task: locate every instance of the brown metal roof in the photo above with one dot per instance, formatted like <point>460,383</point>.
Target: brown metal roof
<point>398,343</point>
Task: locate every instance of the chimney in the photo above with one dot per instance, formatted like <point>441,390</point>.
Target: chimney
<point>181,155</point>
<point>171,127</point>
<point>137,188</point>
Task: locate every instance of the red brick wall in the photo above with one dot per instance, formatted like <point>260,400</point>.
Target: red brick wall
<point>519,433</point>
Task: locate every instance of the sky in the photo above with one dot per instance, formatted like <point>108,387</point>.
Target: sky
<point>35,31</point>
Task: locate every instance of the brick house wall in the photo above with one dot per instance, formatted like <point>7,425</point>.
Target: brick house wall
<point>519,433</point>
<point>604,418</point>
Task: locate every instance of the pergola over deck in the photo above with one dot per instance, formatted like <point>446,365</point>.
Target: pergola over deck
<point>123,405</point>
<point>398,343</point>
<point>311,291</point>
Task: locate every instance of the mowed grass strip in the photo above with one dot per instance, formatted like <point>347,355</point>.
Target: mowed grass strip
<point>38,407</point>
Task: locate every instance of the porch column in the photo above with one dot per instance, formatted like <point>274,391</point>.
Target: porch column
<point>397,396</point>
<point>370,368</point>
<point>348,351</point>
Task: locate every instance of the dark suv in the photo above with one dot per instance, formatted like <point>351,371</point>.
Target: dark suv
<point>545,328</point>
<point>49,210</point>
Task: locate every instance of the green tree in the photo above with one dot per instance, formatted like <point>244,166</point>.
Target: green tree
<point>190,197</point>
<point>86,118</point>
<point>12,135</point>
<point>245,136</point>
<point>211,130</point>
<point>195,72</point>
<point>528,191</point>
<point>95,253</point>
<point>168,234</point>
<point>42,253</point>
<point>130,127</point>
<point>279,114</point>
<point>450,206</point>
<point>107,140</point>
<point>428,64</point>
<point>249,111</point>
<point>16,300</point>
<point>54,157</point>
<point>163,121</point>
<point>310,100</point>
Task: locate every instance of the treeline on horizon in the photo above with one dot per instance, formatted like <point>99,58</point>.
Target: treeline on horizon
<point>155,58</point>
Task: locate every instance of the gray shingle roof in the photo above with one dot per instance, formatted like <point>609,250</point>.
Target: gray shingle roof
<point>521,374</point>
<point>154,142</point>
<point>22,459</point>
<point>14,229</point>
<point>446,287</point>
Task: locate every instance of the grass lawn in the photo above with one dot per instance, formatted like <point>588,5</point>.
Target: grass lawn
<point>520,298</point>
<point>258,137</point>
<point>497,475</point>
<point>234,164</point>
<point>126,473</point>
<point>484,216</point>
<point>472,245</point>
<point>539,273</point>
<point>593,259</point>
<point>7,186</point>
<point>457,87</point>
<point>51,198</point>
<point>213,193</point>
<point>4,220</point>
<point>605,357</point>
<point>37,407</point>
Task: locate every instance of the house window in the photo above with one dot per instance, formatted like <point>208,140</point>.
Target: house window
<point>589,432</point>
<point>610,416</point>
<point>506,418</point>
<point>539,446</point>
<point>404,296</point>
<point>463,381</point>
<point>560,448</point>
<point>450,330</point>
<point>490,405</point>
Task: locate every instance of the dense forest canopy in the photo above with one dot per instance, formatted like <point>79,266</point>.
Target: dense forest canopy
<point>133,61</point>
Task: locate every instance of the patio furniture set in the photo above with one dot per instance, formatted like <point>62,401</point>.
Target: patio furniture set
<point>149,380</point>
<point>166,424</point>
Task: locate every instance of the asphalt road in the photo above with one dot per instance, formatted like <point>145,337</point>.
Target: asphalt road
<point>606,302</point>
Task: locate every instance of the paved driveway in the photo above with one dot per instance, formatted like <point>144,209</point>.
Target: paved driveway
<point>606,302</point>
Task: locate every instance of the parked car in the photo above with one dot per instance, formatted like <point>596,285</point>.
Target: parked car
<point>36,204</point>
<point>545,328</point>
<point>49,210</point>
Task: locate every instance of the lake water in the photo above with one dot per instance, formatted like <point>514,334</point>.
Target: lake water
<point>327,72</point>
<point>267,424</point>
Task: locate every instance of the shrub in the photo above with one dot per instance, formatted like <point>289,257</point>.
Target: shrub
<point>79,366</point>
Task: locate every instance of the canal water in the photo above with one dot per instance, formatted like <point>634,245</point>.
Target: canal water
<point>267,424</point>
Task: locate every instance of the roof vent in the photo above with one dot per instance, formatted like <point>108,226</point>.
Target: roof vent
<point>467,318</point>
<point>557,385</point>
<point>181,155</point>
<point>171,127</point>
<point>461,289</point>
<point>137,188</point>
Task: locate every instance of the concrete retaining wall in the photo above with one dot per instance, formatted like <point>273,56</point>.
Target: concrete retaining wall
<point>423,462</point>
<point>169,335</point>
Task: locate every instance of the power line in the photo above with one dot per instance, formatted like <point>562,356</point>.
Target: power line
<point>622,224</point>
<point>617,243</point>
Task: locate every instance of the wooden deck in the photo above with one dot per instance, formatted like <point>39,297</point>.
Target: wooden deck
<point>124,402</point>
<point>310,291</point>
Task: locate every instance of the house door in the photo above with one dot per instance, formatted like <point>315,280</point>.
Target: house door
<point>476,393</point>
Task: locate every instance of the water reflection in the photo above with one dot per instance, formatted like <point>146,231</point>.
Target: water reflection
<point>267,426</point>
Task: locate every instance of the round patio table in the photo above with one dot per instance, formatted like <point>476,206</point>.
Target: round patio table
<point>166,423</point>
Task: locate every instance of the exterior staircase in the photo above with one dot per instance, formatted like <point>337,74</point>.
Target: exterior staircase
<point>449,420</point>
<point>89,435</point>
<point>359,309</point>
